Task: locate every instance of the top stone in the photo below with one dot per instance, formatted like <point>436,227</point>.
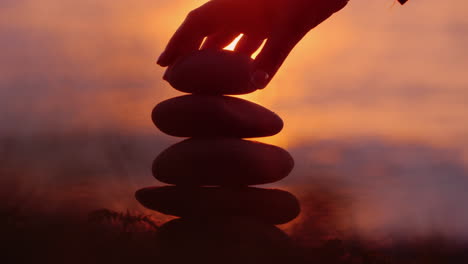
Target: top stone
<point>212,72</point>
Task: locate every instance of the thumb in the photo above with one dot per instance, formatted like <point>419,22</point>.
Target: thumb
<point>272,56</point>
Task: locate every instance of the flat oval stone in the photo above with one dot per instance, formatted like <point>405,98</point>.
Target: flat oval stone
<point>267,205</point>
<point>212,72</point>
<point>228,240</point>
<point>222,161</point>
<point>206,115</point>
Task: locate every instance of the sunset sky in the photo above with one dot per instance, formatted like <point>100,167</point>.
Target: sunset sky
<point>378,93</point>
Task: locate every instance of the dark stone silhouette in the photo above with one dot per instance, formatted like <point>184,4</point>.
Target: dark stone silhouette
<point>224,240</point>
<point>211,72</point>
<point>222,161</point>
<point>223,220</point>
<point>266,205</point>
<point>210,116</point>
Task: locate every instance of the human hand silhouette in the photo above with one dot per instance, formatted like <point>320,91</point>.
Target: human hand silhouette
<point>282,22</point>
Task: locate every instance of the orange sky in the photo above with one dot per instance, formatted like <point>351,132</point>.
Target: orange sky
<point>373,69</point>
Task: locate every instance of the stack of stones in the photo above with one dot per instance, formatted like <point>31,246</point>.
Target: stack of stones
<point>209,174</point>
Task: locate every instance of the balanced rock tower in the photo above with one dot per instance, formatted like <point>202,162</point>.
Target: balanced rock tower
<point>209,175</point>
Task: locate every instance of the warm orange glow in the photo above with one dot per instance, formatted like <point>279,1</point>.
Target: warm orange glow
<point>255,54</point>
<point>233,44</point>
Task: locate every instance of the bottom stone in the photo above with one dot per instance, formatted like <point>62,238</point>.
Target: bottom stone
<point>223,240</point>
<point>267,205</point>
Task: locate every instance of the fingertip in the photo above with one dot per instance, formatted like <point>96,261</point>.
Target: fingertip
<point>259,79</point>
<point>163,59</point>
<point>274,53</point>
<point>166,75</point>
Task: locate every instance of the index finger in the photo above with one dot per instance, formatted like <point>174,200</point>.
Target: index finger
<point>189,36</point>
